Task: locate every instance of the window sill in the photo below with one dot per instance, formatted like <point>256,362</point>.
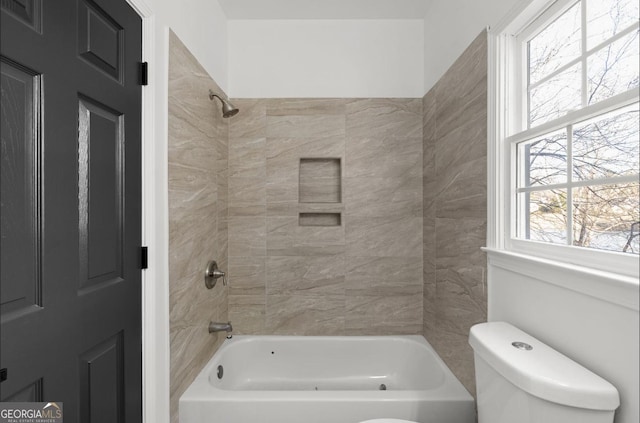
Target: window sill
<point>611,287</point>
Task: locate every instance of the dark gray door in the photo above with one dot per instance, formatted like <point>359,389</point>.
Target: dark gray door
<point>70,299</point>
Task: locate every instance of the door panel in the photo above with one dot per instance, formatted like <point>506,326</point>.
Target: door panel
<point>100,39</point>
<point>71,199</point>
<point>101,382</point>
<point>31,393</point>
<point>100,170</point>
<point>21,188</point>
<point>27,11</point>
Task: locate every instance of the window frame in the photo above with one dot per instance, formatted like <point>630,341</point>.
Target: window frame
<point>508,109</point>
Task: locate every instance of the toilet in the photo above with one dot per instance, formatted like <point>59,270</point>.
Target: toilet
<point>520,379</point>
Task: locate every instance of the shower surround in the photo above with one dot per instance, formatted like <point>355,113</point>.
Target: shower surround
<point>455,208</point>
<point>198,160</point>
<point>362,276</point>
<point>395,191</point>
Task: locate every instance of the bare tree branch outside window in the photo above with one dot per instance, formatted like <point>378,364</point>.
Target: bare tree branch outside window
<point>593,199</point>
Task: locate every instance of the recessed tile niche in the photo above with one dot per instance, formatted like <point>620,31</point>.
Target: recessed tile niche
<point>319,219</point>
<point>320,183</point>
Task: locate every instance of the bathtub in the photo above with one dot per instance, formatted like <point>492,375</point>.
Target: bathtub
<point>318,379</point>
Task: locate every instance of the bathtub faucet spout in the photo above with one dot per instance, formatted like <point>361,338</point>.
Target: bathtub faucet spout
<point>220,327</point>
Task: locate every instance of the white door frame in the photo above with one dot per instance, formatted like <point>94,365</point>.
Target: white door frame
<point>155,298</point>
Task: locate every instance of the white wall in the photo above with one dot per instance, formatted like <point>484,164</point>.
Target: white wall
<point>325,58</point>
<point>595,323</point>
<point>449,28</point>
<point>202,26</point>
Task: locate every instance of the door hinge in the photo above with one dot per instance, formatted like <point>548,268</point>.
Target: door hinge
<point>144,257</point>
<point>144,73</point>
<point>3,375</point>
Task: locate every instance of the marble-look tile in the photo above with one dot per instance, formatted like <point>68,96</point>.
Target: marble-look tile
<point>187,106</point>
<point>319,219</point>
<point>188,100</point>
<point>430,195</point>
<point>305,315</point>
<point>380,197</point>
<point>285,237</point>
<point>305,126</point>
<point>463,194</point>
<point>283,161</point>
<point>284,154</point>
<point>306,106</point>
<point>185,247</point>
<point>197,344</point>
<point>456,352</point>
<point>384,118</point>
<point>454,113</point>
<point>183,133</point>
<point>303,295</point>
<point>320,180</point>
<point>429,270</point>
<point>220,249</point>
<point>429,139</point>
<point>465,82</point>
<point>247,314</point>
<point>247,197</point>
<point>222,192</point>
<point>251,121</point>
<point>383,315</point>
<point>179,254</point>
<point>320,190</point>
<point>247,276</point>
<point>283,168</point>
<point>247,157</point>
<point>457,309</point>
<point>380,276</point>
<point>192,341</point>
<point>319,167</point>
<point>198,158</point>
<point>191,302</point>
<point>247,236</point>
<point>197,191</point>
<point>190,189</point>
<point>383,158</point>
<point>384,236</point>
<point>306,276</point>
<point>454,208</point>
<point>460,273</point>
<point>466,141</point>
<point>459,241</point>
<point>282,198</point>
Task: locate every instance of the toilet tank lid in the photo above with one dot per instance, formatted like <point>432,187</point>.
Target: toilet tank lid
<point>541,371</point>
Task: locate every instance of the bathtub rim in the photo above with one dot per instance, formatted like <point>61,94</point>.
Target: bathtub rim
<point>200,390</point>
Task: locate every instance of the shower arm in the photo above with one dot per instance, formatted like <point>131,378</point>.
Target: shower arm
<point>228,109</point>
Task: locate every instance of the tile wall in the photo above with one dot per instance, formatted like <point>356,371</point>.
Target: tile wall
<point>198,154</point>
<point>361,276</point>
<point>455,209</point>
<point>406,178</point>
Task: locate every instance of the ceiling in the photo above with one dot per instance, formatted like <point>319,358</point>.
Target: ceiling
<point>325,9</point>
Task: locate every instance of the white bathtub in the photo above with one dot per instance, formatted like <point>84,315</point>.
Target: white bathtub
<point>309,379</point>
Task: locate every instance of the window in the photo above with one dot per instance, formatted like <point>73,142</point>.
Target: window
<point>570,136</point>
<point>577,182</point>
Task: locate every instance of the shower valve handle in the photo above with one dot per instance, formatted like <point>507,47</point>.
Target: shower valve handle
<point>212,274</point>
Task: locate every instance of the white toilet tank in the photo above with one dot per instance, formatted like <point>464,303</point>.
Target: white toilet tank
<point>520,379</point>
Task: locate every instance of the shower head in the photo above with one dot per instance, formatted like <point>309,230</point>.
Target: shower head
<point>228,109</point>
